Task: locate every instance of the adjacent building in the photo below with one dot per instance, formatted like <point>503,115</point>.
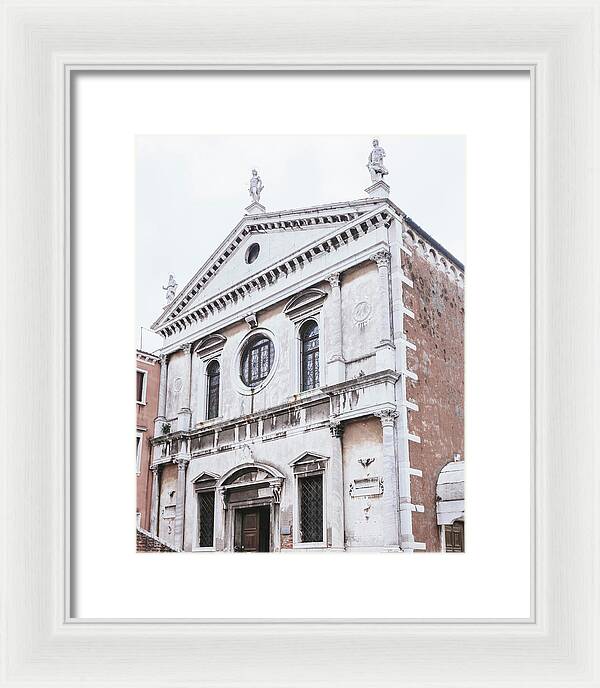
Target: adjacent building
<point>147,378</point>
<point>311,385</point>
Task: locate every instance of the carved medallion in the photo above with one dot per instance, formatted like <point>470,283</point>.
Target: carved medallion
<point>361,313</point>
<point>177,384</point>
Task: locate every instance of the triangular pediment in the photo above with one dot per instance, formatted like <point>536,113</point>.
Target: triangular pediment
<point>277,235</point>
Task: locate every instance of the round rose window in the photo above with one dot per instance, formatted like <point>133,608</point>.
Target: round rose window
<point>257,360</point>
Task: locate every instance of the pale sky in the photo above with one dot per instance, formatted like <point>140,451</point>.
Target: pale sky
<point>192,190</point>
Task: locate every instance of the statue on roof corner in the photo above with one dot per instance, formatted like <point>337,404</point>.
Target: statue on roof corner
<point>375,164</point>
<point>171,288</point>
<point>256,186</point>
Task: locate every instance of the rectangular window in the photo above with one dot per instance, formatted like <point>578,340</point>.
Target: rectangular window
<point>206,519</point>
<point>455,536</point>
<point>138,453</point>
<point>311,508</point>
<point>141,386</point>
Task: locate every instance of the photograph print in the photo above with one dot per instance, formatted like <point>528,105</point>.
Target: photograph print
<point>300,343</point>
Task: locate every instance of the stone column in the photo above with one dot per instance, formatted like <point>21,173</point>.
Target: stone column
<point>162,396</point>
<point>335,489</point>
<point>220,536</point>
<point>180,501</point>
<point>391,529</point>
<point>336,367</point>
<point>384,351</point>
<point>155,500</point>
<point>184,416</point>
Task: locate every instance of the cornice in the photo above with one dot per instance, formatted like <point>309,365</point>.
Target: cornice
<point>293,219</point>
<point>340,236</point>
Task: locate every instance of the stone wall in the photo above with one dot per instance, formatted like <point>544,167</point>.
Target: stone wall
<point>438,334</point>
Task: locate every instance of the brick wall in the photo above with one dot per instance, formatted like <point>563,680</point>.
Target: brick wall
<point>438,333</point>
<point>145,415</point>
<point>145,542</point>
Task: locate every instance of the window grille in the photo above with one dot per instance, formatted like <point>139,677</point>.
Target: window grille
<point>206,518</point>
<point>309,338</point>
<point>214,380</point>
<point>257,360</point>
<point>311,508</point>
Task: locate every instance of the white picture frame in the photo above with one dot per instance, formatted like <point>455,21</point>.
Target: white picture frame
<point>44,43</point>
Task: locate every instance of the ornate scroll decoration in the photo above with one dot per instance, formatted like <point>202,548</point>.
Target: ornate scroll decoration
<point>365,463</point>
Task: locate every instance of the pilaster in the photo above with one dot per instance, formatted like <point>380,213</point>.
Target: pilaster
<point>335,489</point>
<point>182,465</point>
<point>384,350</point>
<point>336,366</point>
<point>155,500</point>
<point>184,416</point>
<point>391,529</point>
<point>162,396</point>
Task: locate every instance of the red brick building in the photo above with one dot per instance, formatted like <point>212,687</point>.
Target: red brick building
<point>147,383</point>
<point>437,331</point>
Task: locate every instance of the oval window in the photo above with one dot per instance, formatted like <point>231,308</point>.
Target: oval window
<point>257,360</point>
<point>252,253</point>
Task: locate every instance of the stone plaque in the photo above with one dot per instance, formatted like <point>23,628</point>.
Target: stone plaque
<point>366,487</point>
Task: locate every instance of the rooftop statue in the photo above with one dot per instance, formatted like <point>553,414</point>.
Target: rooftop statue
<point>171,288</point>
<point>375,164</point>
<point>256,186</point>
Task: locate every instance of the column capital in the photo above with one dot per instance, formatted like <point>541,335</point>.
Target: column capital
<point>382,258</point>
<point>155,468</point>
<point>387,417</point>
<point>163,359</point>
<point>336,429</point>
<point>186,348</point>
<point>181,463</point>
<point>334,279</point>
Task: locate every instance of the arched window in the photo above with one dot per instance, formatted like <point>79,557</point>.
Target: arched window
<point>213,373</point>
<point>309,355</point>
<point>257,360</point>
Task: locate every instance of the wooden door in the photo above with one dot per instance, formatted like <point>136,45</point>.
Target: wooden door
<point>250,531</point>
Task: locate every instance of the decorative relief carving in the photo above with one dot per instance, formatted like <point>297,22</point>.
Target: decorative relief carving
<point>177,384</point>
<point>366,487</point>
<point>361,313</point>
<point>387,417</point>
<point>365,463</point>
<point>382,258</point>
<point>336,429</point>
<point>334,279</point>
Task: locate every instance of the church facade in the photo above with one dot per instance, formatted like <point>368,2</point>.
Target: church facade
<point>311,385</point>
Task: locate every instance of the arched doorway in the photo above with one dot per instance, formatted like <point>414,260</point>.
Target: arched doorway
<point>251,495</point>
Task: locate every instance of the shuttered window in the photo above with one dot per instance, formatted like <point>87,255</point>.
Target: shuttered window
<point>455,537</point>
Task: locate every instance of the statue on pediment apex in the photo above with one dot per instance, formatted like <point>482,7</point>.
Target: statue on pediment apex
<point>375,164</point>
<point>256,187</point>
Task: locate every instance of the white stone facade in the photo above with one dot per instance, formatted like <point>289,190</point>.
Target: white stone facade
<point>260,454</point>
